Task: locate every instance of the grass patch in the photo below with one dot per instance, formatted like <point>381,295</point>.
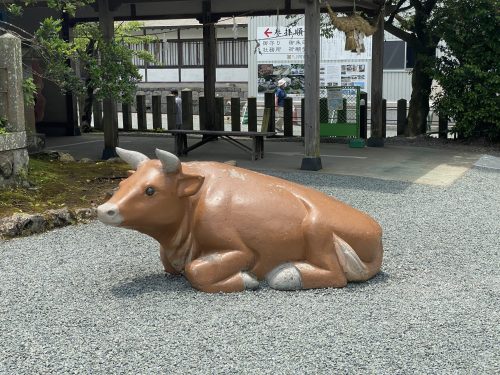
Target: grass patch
<point>54,184</point>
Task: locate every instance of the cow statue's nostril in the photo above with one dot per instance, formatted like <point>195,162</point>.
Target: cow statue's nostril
<point>109,213</point>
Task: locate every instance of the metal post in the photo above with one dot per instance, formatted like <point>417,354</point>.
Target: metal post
<point>141,112</point>
<point>156,107</point>
<point>171,112</point>
<point>269,99</point>
<point>288,118</point>
<point>401,117</point>
<point>252,114</point>
<point>363,115</point>
<point>235,114</point>
<point>127,117</point>
<point>202,111</point>
<point>384,118</point>
<point>443,126</point>
<point>219,113</point>
<point>187,109</point>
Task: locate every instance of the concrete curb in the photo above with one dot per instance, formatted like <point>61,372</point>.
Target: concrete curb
<point>22,224</point>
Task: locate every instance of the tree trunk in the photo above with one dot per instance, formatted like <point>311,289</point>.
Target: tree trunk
<point>87,107</point>
<point>421,83</point>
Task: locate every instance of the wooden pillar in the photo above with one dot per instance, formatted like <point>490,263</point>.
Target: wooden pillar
<point>363,115</point>
<point>127,117</point>
<point>187,109</point>
<point>110,121</point>
<point>376,137</point>
<point>209,62</point>
<point>288,118</point>
<point>202,112</point>
<point>401,117</point>
<point>171,112</point>
<point>312,159</point>
<point>252,114</point>
<point>156,108</point>
<point>235,115</point>
<point>141,112</point>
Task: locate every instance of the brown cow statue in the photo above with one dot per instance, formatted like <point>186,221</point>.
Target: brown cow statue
<point>226,228</point>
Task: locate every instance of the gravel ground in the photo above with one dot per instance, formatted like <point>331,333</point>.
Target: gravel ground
<point>93,299</point>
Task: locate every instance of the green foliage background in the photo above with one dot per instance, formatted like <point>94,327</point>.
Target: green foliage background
<point>468,72</point>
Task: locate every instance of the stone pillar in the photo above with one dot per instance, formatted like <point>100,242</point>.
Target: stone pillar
<point>13,152</point>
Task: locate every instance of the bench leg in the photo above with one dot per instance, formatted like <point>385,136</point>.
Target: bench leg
<point>255,148</point>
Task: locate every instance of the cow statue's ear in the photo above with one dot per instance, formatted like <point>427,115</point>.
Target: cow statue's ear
<point>189,184</point>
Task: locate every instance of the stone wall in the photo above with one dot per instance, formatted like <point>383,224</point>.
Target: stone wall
<point>13,152</point>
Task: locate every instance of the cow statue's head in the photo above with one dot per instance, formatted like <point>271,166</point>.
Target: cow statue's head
<point>153,196</point>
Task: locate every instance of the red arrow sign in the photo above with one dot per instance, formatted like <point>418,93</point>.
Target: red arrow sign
<point>267,32</point>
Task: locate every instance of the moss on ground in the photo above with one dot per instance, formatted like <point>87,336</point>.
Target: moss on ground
<point>55,184</point>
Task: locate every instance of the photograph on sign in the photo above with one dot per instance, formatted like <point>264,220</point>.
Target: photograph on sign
<point>269,75</point>
<point>329,74</point>
<point>354,75</point>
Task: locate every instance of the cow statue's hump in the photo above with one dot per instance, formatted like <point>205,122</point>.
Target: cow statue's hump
<point>226,229</point>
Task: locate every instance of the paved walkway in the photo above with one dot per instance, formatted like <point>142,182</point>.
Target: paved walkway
<point>400,163</point>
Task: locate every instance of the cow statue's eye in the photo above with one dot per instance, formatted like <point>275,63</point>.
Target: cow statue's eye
<point>150,191</point>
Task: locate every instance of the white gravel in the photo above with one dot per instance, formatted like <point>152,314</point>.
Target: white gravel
<point>93,299</point>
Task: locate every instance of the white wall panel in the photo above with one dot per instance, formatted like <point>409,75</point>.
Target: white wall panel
<point>192,75</point>
<point>397,85</point>
<point>232,74</point>
<point>163,75</point>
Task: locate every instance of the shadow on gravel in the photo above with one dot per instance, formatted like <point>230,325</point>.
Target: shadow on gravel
<point>157,283</point>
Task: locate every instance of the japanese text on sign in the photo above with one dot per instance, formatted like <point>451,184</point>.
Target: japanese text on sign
<point>286,43</point>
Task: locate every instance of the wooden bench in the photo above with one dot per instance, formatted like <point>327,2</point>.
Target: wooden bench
<point>256,151</point>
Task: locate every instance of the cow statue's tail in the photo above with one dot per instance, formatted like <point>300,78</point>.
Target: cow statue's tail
<point>354,268</point>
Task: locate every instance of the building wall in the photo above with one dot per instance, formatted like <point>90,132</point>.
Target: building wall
<point>193,74</point>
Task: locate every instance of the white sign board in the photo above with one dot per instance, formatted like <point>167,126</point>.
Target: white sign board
<point>280,44</point>
<point>280,54</point>
<point>287,44</point>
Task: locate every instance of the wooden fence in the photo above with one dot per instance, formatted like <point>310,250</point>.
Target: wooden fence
<point>251,117</point>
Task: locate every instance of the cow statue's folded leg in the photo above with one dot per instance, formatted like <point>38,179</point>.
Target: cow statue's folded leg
<point>222,272</point>
<point>320,269</point>
<point>226,228</point>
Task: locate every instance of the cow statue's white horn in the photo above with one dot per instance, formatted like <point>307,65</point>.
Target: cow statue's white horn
<point>133,158</point>
<point>170,162</point>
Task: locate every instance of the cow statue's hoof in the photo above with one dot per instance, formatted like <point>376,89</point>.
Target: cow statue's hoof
<point>226,228</point>
<point>249,281</point>
<point>285,277</point>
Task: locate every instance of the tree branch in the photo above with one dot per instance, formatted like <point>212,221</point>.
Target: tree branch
<point>403,35</point>
<point>395,11</point>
